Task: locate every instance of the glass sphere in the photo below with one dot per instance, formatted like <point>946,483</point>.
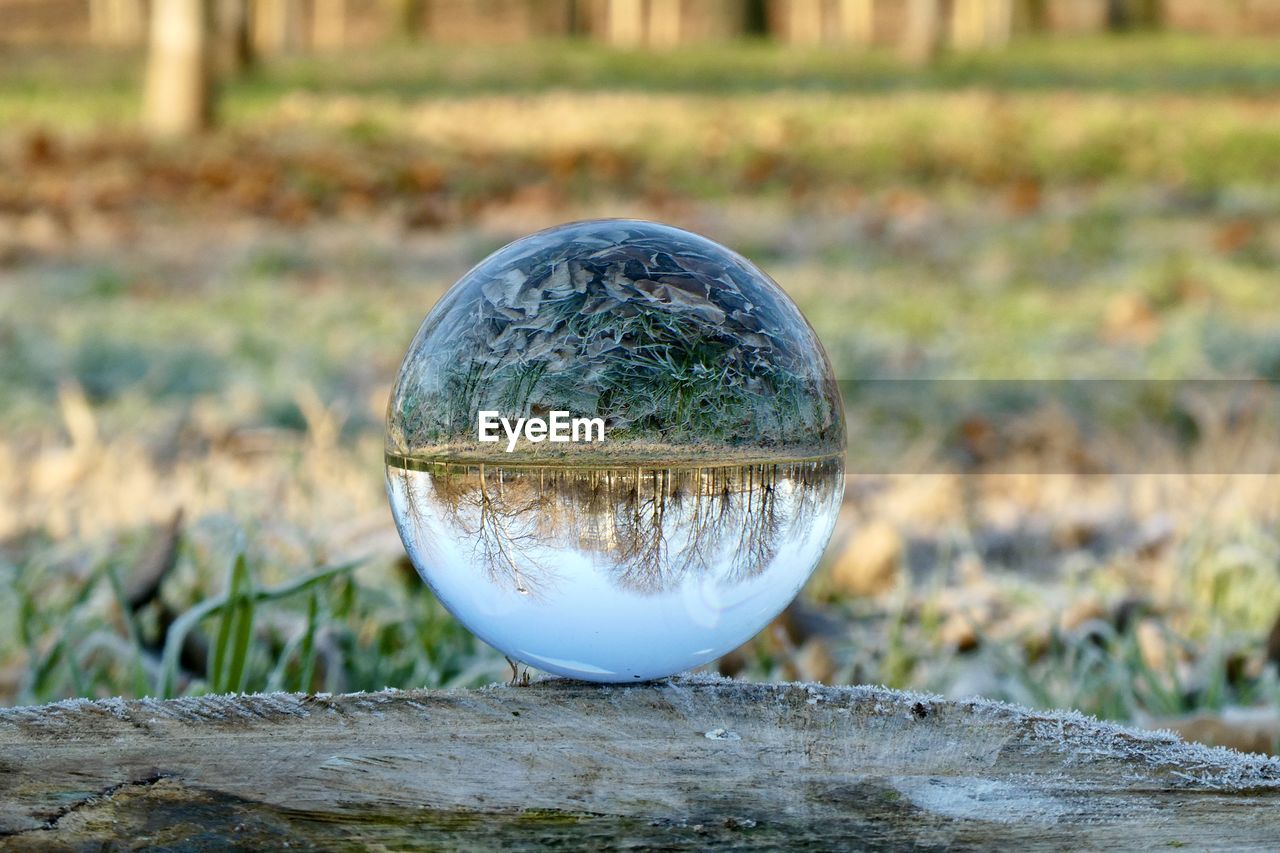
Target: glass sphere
<point>615,450</point>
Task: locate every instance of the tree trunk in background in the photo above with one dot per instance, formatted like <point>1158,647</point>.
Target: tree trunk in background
<point>277,26</point>
<point>999,23</point>
<point>625,24</point>
<point>405,18</point>
<point>546,19</point>
<point>922,38</point>
<point>1150,13</point>
<point>967,28</point>
<point>329,24</point>
<point>233,50</point>
<point>665,20</point>
<point>857,21</point>
<point>755,18</point>
<point>1035,15</point>
<point>804,21</point>
<point>1137,14</point>
<point>576,20</point>
<point>523,20</point>
<point>117,22</point>
<point>978,24</point>
<point>179,98</point>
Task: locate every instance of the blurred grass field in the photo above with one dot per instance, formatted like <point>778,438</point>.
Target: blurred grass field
<point>214,326</point>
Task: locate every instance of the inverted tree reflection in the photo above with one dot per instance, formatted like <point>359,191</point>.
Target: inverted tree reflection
<point>648,528</point>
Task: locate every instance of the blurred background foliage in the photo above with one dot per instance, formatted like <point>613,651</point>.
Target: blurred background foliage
<point>200,320</point>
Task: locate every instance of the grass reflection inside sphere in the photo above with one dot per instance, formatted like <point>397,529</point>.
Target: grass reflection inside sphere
<point>615,450</point>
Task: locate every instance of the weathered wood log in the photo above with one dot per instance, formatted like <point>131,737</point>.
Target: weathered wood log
<point>679,763</point>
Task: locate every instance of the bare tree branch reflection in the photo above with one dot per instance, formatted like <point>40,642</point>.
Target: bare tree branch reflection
<point>649,528</point>
<point>500,518</point>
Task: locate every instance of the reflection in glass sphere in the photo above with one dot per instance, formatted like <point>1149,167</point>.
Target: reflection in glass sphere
<point>678,533</point>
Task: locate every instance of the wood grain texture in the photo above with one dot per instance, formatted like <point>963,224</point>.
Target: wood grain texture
<point>680,763</point>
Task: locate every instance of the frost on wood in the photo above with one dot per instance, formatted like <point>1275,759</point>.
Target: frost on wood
<point>681,762</point>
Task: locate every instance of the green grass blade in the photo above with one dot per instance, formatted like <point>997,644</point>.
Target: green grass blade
<point>307,658</point>
<point>76,671</point>
<point>38,689</point>
<point>222,641</point>
<point>42,673</point>
<point>242,633</point>
<point>184,624</point>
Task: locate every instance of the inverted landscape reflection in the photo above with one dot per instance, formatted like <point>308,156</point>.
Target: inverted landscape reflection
<point>616,574</point>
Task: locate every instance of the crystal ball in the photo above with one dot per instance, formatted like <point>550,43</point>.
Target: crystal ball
<point>615,450</point>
